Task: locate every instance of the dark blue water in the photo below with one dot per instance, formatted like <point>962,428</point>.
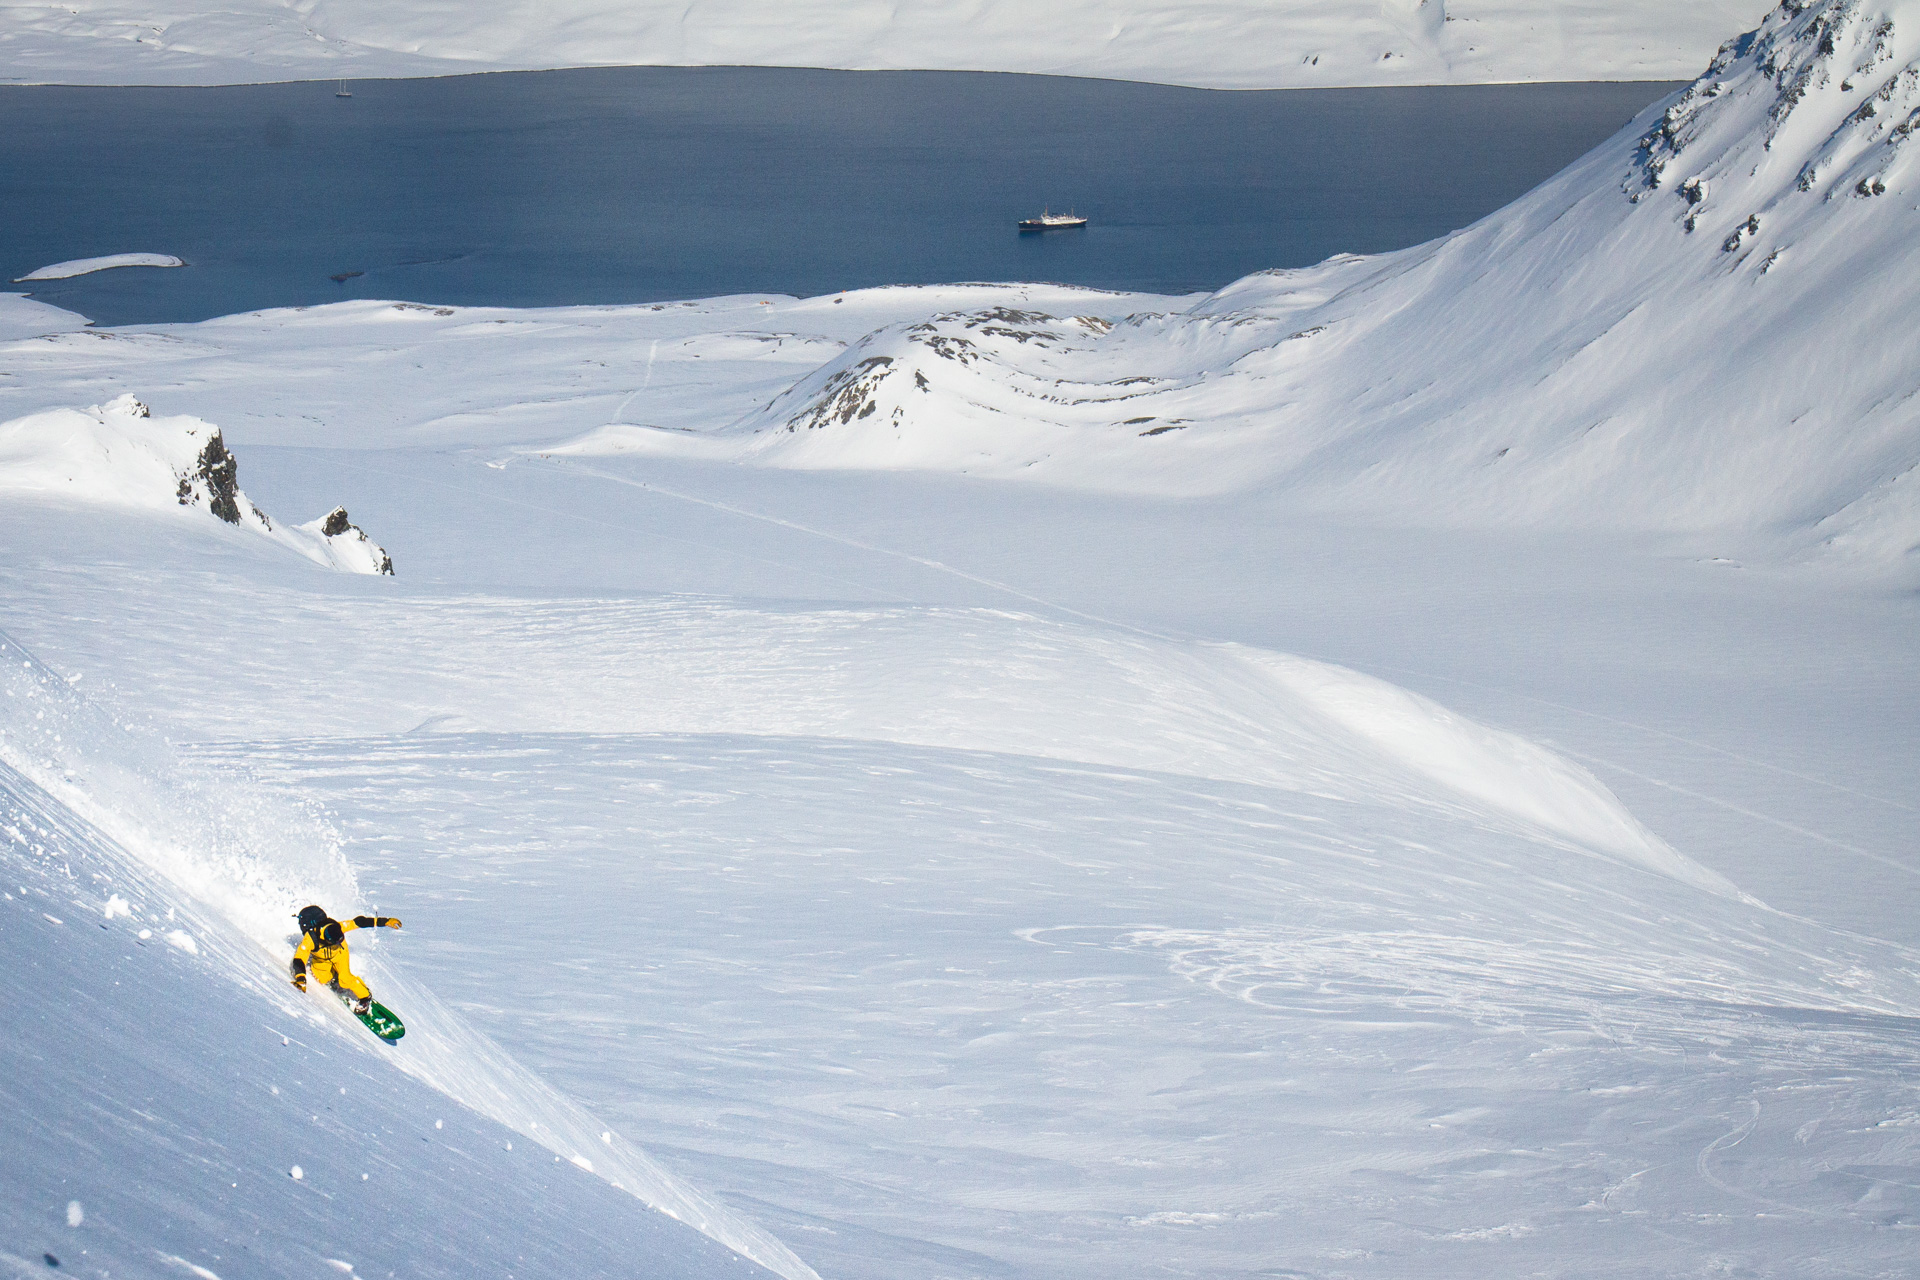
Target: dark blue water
<point>639,184</point>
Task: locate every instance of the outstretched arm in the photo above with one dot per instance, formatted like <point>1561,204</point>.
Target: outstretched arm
<point>371,922</point>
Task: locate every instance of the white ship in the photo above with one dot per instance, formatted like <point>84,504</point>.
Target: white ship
<point>1050,221</point>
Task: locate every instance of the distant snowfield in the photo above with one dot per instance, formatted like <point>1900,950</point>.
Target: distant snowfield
<point>87,266</point>
<point>1226,44</point>
<point>1404,768</point>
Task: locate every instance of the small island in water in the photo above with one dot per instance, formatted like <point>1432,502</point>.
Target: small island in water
<point>85,266</point>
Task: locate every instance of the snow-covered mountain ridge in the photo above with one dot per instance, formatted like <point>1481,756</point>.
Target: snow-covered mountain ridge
<point>119,455</point>
<point>1705,323</point>
<point>1229,44</point>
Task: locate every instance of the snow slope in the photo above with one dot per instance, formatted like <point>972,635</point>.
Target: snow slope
<point>1705,323</point>
<point>978,942</point>
<point>22,317</point>
<point>1238,44</point>
<point>985,939</point>
<point>911,675</point>
<point>167,1089</point>
<point>456,376</point>
<point>157,1113</point>
<point>981,1014</point>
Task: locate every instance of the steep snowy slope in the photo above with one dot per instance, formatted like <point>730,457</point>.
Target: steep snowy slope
<point>982,938</point>
<point>1238,44</point>
<point>1704,323</point>
<point>172,1104</point>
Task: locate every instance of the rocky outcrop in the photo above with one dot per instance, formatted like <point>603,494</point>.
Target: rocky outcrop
<point>348,545</point>
<point>214,482</point>
<point>120,455</point>
<point>1823,69</point>
<point>914,373</point>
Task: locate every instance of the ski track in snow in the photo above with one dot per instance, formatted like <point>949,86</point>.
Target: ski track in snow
<point>1608,764</point>
<point>980,971</point>
<point>857,545</point>
<point>1757,816</point>
<point>1680,738</point>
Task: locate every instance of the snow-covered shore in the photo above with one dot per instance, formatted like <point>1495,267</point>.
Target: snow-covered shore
<point>1227,44</point>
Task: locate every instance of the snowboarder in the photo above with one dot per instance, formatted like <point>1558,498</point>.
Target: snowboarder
<point>323,953</point>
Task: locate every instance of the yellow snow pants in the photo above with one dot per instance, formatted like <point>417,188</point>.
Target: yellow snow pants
<point>334,970</point>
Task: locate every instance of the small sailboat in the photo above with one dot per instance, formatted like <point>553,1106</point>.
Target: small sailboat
<point>342,91</point>
<point>1051,221</point>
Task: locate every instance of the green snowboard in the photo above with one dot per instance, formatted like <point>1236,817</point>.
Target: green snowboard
<point>379,1019</point>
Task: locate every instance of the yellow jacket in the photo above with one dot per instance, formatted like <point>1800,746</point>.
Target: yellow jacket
<point>323,950</point>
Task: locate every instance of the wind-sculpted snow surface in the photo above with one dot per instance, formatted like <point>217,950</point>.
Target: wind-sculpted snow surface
<point>1226,44</point>
<point>966,679</point>
<point>965,940</point>
<point>119,455</point>
<point>999,1014</point>
<point>1703,324</point>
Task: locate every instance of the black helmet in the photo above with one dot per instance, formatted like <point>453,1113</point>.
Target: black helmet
<point>311,918</point>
